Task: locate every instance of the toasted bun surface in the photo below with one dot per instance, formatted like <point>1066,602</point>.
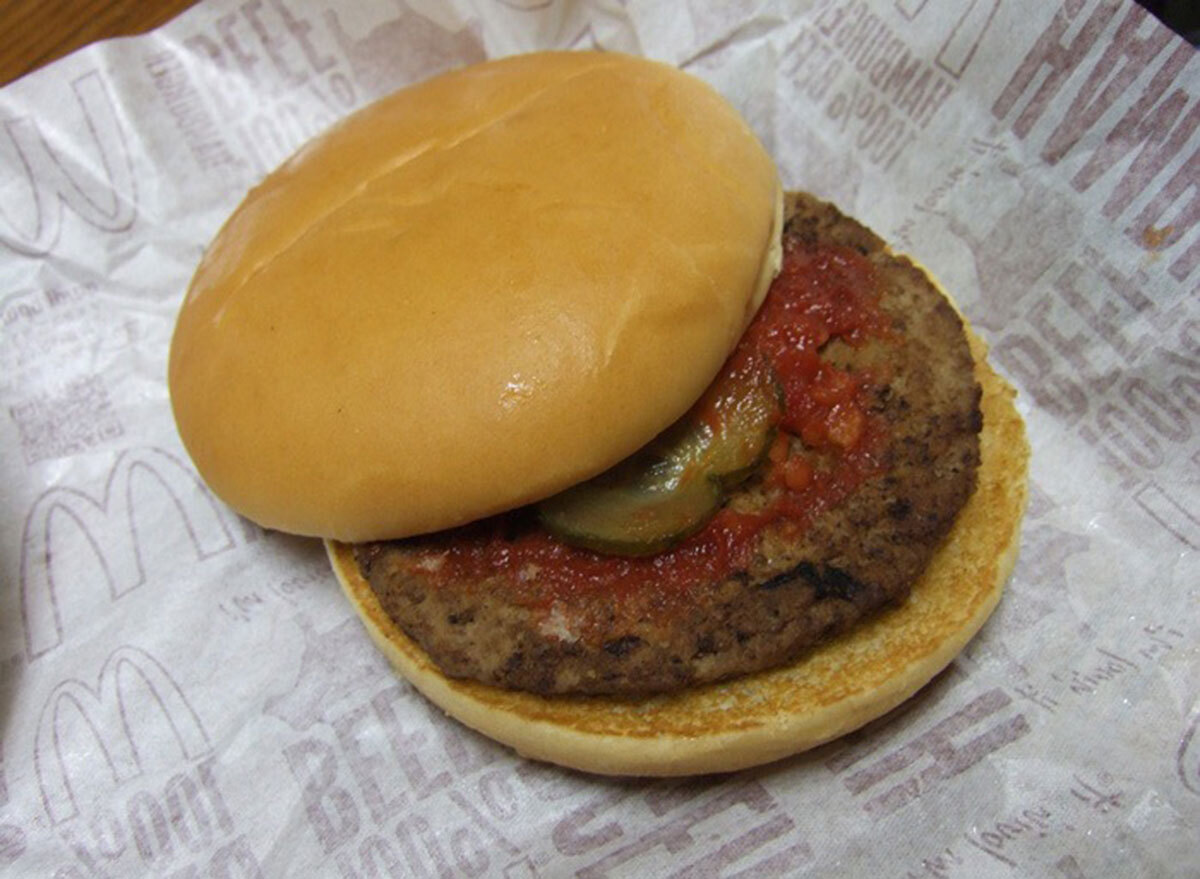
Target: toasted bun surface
<point>473,294</point>
<point>838,687</point>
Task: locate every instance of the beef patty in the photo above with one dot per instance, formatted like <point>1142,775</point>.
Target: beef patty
<point>794,590</point>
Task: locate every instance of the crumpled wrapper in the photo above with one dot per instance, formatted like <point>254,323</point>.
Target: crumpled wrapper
<point>186,695</point>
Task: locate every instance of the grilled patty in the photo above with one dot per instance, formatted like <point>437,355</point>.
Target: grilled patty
<point>795,590</point>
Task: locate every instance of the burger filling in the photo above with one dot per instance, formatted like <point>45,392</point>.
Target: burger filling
<point>807,489</point>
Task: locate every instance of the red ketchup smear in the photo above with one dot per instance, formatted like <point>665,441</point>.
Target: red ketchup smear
<point>821,294</point>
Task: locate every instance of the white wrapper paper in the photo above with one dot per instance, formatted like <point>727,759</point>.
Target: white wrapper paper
<point>185,695</point>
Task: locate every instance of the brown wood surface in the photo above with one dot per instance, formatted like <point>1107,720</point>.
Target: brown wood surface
<point>35,32</point>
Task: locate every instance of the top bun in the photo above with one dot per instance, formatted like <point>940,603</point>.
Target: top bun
<point>473,294</point>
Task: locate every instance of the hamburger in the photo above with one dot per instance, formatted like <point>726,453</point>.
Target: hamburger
<point>626,457</point>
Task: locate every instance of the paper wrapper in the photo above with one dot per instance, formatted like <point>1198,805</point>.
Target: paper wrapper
<point>185,695</point>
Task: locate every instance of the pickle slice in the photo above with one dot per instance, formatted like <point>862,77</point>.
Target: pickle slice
<point>669,489</point>
<point>736,418</point>
<point>632,516</point>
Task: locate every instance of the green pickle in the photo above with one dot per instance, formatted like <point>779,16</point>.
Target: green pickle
<point>671,488</point>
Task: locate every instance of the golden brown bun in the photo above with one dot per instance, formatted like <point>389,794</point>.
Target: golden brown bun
<point>460,299</point>
<point>763,717</point>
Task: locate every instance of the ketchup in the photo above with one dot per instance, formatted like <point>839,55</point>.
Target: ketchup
<point>822,294</point>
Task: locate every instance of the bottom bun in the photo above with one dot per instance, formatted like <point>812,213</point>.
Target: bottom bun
<point>834,689</point>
